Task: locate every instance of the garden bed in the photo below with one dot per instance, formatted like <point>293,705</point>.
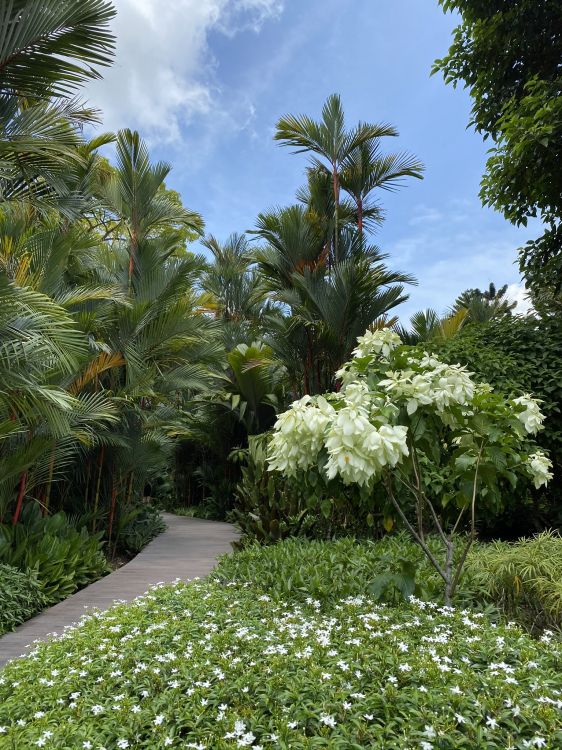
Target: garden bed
<point>214,666</point>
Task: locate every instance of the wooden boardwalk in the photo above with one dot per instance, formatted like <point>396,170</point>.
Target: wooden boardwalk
<point>187,549</point>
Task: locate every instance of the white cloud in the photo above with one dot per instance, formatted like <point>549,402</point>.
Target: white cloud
<point>449,251</point>
<point>425,215</point>
<point>518,293</point>
<point>164,74</point>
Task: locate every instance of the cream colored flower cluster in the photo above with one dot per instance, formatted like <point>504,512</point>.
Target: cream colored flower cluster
<point>539,467</point>
<point>531,415</point>
<point>380,342</point>
<point>299,434</point>
<point>357,450</point>
<point>438,384</point>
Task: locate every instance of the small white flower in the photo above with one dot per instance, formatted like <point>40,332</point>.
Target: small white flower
<point>328,720</point>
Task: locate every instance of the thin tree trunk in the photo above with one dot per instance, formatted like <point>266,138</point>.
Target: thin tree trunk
<point>21,494</point>
<point>130,487</point>
<point>49,481</point>
<point>112,510</point>
<point>86,493</point>
<point>97,495</point>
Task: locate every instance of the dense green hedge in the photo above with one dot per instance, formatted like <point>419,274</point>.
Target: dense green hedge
<point>520,354</point>
<point>519,581</point>
<point>20,596</point>
<point>218,667</point>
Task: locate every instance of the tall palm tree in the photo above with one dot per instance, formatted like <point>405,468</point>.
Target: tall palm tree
<point>330,143</point>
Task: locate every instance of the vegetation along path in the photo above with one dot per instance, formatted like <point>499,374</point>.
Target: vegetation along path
<point>187,549</point>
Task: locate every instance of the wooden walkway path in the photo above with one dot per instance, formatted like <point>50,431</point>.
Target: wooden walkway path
<point>187,549</point>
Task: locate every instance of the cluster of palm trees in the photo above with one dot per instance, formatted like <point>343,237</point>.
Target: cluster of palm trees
<point>125,358</point>
<point>101,342</point>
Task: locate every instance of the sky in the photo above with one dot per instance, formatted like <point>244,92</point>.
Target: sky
<point>205,81</point>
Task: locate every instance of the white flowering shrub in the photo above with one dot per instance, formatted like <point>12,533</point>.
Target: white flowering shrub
<point>210,666</point>
<point>421,428</point>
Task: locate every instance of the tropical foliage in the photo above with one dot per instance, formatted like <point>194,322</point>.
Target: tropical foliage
<point>508,55</point>
<point>242,670</point>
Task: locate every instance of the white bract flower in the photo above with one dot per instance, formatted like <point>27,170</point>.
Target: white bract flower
<point>531,415</point>
<point>299,434</point>
<point>539,467</point>
<point>382,341</point>
<point>357,450</point>
<point>439,385</point>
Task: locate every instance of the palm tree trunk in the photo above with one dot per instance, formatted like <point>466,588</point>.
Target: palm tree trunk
<point>97,495</point>
<point>360,221</point>
<point>86,493</point>
<point>49,481</point>
<point>112,510</point>
<point>21,494</point>
<point>336,188</point>
<point>130,487</point>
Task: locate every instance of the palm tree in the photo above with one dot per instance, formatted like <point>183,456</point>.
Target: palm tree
<point>232,289</point>
<point>47,50</point>
<point>366,169</point>
<point>330,143</point>
<point>134,193</point>
<point>486,305</point>
<point>428,325</point>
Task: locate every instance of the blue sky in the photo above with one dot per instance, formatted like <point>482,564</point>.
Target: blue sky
<point>206,80</point>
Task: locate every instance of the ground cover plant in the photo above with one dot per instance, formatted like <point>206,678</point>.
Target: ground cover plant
<point>20,595</point>
<point>508,581</point>
<point>213,666</point>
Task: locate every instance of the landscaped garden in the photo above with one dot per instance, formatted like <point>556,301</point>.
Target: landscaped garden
<point>397,485</point>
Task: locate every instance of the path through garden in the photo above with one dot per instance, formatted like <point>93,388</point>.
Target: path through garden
<point>187,549</point>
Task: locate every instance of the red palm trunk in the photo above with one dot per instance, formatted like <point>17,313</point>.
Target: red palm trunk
<point>21,494</point>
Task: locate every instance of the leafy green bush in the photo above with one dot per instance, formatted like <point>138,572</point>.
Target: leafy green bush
<point>20,596</point>
<point>271,506</point>
<point>514,355</point>
<point>324,570</point>
<point>63,557</point>
<point>523,579</point>
<point>217,667</point>
<point>143,527</point>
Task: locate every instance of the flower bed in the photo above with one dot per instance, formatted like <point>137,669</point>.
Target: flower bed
<point>213,666</point>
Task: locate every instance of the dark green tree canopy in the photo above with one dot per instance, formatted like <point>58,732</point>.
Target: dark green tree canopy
<point>508,53</point>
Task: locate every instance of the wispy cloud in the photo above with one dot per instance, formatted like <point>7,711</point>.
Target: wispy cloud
<point>164,75</point>
<point>457,248</point>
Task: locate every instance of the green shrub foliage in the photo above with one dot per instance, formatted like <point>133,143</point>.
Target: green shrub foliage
<point>514,355</point>
<point>63,557</point>
<point>519,581</point>
<point>143,527</point>
<point>20,596</point>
